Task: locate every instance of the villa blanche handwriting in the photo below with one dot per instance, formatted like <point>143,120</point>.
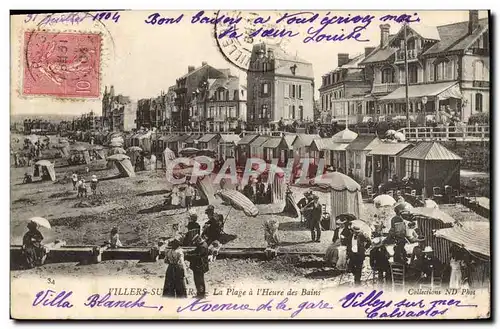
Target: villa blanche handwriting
<point>315,22</point>
<point>376,307</point>
<point>51,298</point>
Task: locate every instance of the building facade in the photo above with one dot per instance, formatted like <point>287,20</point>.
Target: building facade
<point>118,111</point>
<point>152,112</point>
<point>171,110</point>
<point>191,87</point>
<point>222,107</point>
<point>280,86</point>
<point>347,81</point>
<point>448,67</point>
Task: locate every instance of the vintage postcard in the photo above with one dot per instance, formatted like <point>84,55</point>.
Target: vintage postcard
<point>250,165</point>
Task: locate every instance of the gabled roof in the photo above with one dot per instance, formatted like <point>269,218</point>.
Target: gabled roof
<point>388,148</point>
<point>247,139</point>
<point>323,144</point>
<point>380,54</point>
<point>259,141</point>
<point>207,138</point>
<point>272,142</point>
<point>304,140</point>
<point>430,151</point>
<point>364,143</point>
<point>230,138</point>
<point>288,141</point>
<point>179,138</point>
<point>192,138</point>
<point>456,36</point>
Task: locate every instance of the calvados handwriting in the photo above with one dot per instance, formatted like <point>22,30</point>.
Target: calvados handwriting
<point>200,305</point>
<point>376,307</point>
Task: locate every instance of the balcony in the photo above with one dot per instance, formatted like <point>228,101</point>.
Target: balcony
<point>412,55</point>
<point>384,88</point>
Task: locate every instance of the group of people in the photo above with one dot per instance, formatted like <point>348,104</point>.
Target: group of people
<point>257,191</point>
<point>176,274</point>
<point>80,185</point>
<point>311,214</point>
<point>181,196</point>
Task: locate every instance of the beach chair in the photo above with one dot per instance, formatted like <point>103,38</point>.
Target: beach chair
<point>398,276</point>
<point>448,193</point>
<point>437,195</point>
<point>369,192</point>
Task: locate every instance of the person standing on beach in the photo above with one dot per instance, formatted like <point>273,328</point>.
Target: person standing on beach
<point>199,265</point>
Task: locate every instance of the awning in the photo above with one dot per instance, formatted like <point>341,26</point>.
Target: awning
<point>472,236</point>
<point>443,90</point>
<point>388,148</point>
<point>272,142</point>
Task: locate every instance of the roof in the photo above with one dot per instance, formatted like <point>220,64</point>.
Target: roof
<point>430,151</point>
<point>418,91</point>
<point>230,138</point>
<point>289,139</point>
<point>472,236</point>
<point>305,140</point>
<point>380,54</point>
<point>247,139</point>
<point>167,137</point>
<point>285,61</point>
<point>178,138</point>
<point>340,146</point>
<point>354,62</point>
<point>207,138</point>
<point>192,138</point>
<point>259,141</point>
<point>364,143</point>
<point>272,142</point>
<point>388,148</point>
<point>456,36</point>
<point>323,144</point>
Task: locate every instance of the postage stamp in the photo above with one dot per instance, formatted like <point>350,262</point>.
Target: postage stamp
<point>61,64</point>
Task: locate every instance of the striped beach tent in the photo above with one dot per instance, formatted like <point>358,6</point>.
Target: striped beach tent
<point>429,220</point>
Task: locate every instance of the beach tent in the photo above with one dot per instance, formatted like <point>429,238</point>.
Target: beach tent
<point>82,151</point>
<point>474,239</point>
<point>133,152</point>
<point>345,194</point>
<point>45,164</point>
<point>117,150</point>
<point>98,151</point>
<point>206,189</point>
<point>122,162</point>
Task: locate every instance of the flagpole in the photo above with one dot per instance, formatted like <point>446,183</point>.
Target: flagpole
<point>406,82</point>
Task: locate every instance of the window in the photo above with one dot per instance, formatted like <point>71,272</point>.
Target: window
<point>412,168</point>
<point>265,111</point>
<point>235,95</point>
<point>286,90</point>
<point>479,71</point>
<point>412,73</point>
<point>479,102</point>
<point>388,75</point>
<point>242,93</point>
<point>232,112</point>
<point>299,88</point>
<point>322,102</point>
<point>301,112</point>
<point>211,112</point>
<point>221,95</point>
<point>227,95</point>
<point>293,91</point>
<point>443,70</point>
<point>265,89</point>
<point>291,111</point>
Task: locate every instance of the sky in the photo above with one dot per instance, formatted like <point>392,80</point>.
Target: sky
<point>141,59</point>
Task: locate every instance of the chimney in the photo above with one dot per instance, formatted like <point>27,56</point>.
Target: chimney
<point>384,34</point>
<point>368,51</point>
<point>342,59</point>
<point>190,69</point>
<point>203,63</point>
<point>473,20</point>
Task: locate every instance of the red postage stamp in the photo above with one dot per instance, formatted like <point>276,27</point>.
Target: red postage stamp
<point>62,64</point>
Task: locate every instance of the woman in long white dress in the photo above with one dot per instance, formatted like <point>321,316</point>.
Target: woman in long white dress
<point>456,272</point>
<point>175,196</point>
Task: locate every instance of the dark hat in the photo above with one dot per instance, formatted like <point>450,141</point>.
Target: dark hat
<point>32,225</point>
<point>210,208</point>
<point>356,228</point>
<point>340,220</point>
<point>193,217</point>
<point>412,224</point>
<point>377,242</point>
<point>174,243</point>
<point>348,217</point>
<point>420,238</point>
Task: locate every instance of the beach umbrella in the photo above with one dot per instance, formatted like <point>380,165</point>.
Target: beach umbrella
<point>428,203</point>
<point>347,217</point>
<point>134,149</point>
<point>384,200</point>
<point>433,213</point>
<point>239,201</point>
<point>365,228</point>
<point>336,181</point>
<point>472,236</point>
<point>399,136</point>
<point>40,221</point>
<point>117,150</point>
<point>390,132</point>
<point>43,163</point>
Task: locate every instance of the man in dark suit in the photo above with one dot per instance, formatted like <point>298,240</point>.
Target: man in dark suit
<point>199,265</point>
<point>356,250</point>
<point>315,219</point>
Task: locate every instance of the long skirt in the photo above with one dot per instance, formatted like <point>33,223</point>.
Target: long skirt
<point>33,256</point>
<point>175,284</point>
<point>342,258</point>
